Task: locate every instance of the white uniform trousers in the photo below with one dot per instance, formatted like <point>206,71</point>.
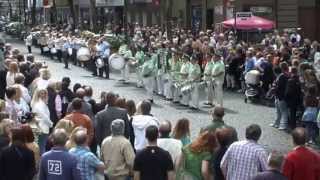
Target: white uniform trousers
<point>185,98</point>
<point>160,83</point>
<point>139,77</point>
<point>176,93</point>
<point>218,92</point>
<point>168,87</point>
<point>194,101</point>
<point>210,91</point>
<point>149,85</point>
<point>125,72</point>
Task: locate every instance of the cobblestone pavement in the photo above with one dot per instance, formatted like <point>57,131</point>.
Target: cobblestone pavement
<point>238,114</point>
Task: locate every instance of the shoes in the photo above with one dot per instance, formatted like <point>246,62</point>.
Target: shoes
<point>273,125</point>
<point>282,128</point>
<point>122,80</point>
<point>208,103</point>
<point>311,142</point>
<point>194,108</point>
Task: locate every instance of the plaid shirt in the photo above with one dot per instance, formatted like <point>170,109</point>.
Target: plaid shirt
<point>87,162</point>
<point>243,160</point>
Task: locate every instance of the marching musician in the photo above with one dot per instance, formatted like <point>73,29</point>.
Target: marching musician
<point>183,79</point>
<point>125,51</point>
<point>173,73</point>
<point>65,54</point>
<point>148,73</point>
<point>162,55</point>
<point>208,78</point>
<point>51,44</point>
<point>139,60</point>
<point>103,50</point>
<point>194,77</point>
<point>175,65</point>
<point>218,73</point>
<point>58,45</point>
<point>42,41</point>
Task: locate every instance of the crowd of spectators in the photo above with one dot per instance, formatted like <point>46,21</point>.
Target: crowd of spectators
<point>49,131</point>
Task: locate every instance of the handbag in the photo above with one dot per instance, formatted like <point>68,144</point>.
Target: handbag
<point>182,173</point>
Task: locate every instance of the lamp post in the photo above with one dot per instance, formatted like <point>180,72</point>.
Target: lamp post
<point>233,5</point>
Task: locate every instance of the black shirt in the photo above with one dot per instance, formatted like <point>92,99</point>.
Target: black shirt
<point>17,163</point>
<point>153,163</point>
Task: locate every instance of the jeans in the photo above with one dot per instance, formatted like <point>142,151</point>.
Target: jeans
<point>312,129</point>
<point>29,49</point>
<point>282,114</point>
<point>42,142</point>
<point>293,117</point>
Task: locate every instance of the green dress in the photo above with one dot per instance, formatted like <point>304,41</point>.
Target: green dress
<point>193,161</point>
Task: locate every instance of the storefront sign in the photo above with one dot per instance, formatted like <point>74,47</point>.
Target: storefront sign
<point>261,9</point>
<point>110,3</point>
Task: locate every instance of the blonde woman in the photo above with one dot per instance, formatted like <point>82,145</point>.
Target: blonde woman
<point>23,107</point>
<point>42,116</point>
<point>12,72</point>
<point>43,81</point>
<point>65,124</point>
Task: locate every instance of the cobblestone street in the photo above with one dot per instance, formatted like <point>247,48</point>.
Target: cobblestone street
<point>238,114</point>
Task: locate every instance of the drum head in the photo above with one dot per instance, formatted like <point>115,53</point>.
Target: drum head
<point>83,54</point>
<point>116,62</point>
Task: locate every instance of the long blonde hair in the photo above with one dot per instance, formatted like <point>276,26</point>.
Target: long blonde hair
<point>37,96</point>
<point>65,124</point>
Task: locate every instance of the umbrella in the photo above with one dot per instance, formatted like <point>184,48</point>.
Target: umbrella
<point>249,23</point>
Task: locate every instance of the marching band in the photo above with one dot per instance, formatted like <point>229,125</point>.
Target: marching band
<point>161,66</point>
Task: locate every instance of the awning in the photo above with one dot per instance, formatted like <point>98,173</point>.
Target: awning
<point>249,23</point>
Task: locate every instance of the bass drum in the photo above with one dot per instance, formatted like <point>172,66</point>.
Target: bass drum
<point>116,61</point>
<point>83,54</point>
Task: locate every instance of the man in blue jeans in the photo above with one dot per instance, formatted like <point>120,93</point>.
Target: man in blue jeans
<point>281,121</point>
<point>59,164</point>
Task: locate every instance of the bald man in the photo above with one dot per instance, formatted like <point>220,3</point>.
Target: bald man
<point>217,120</point>
<point>167,143</point>
<point>87,162</point>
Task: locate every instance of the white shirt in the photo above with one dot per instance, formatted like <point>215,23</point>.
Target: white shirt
<point>29,40</point>
<point>140,124</point>
<point>42,116</point>
<point>10,78</point>
<point>25,93</point>
<point>173,146</point>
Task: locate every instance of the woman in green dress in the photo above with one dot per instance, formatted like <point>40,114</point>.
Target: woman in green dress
<point>195,158</point>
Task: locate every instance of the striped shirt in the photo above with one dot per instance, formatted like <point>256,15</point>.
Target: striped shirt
<point>87,162</point>
<point>243,160</point>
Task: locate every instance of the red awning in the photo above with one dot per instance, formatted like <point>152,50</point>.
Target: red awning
<point>249,23</point>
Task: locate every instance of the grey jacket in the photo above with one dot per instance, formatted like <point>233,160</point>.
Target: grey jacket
<point>104,119</point>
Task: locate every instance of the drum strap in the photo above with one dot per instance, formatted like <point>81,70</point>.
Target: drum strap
<point>159,62</point>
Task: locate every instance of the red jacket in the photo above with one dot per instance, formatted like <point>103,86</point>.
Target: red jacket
<point>302,164</point>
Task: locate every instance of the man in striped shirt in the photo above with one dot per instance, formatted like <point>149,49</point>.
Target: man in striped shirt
<point>244,159</point>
